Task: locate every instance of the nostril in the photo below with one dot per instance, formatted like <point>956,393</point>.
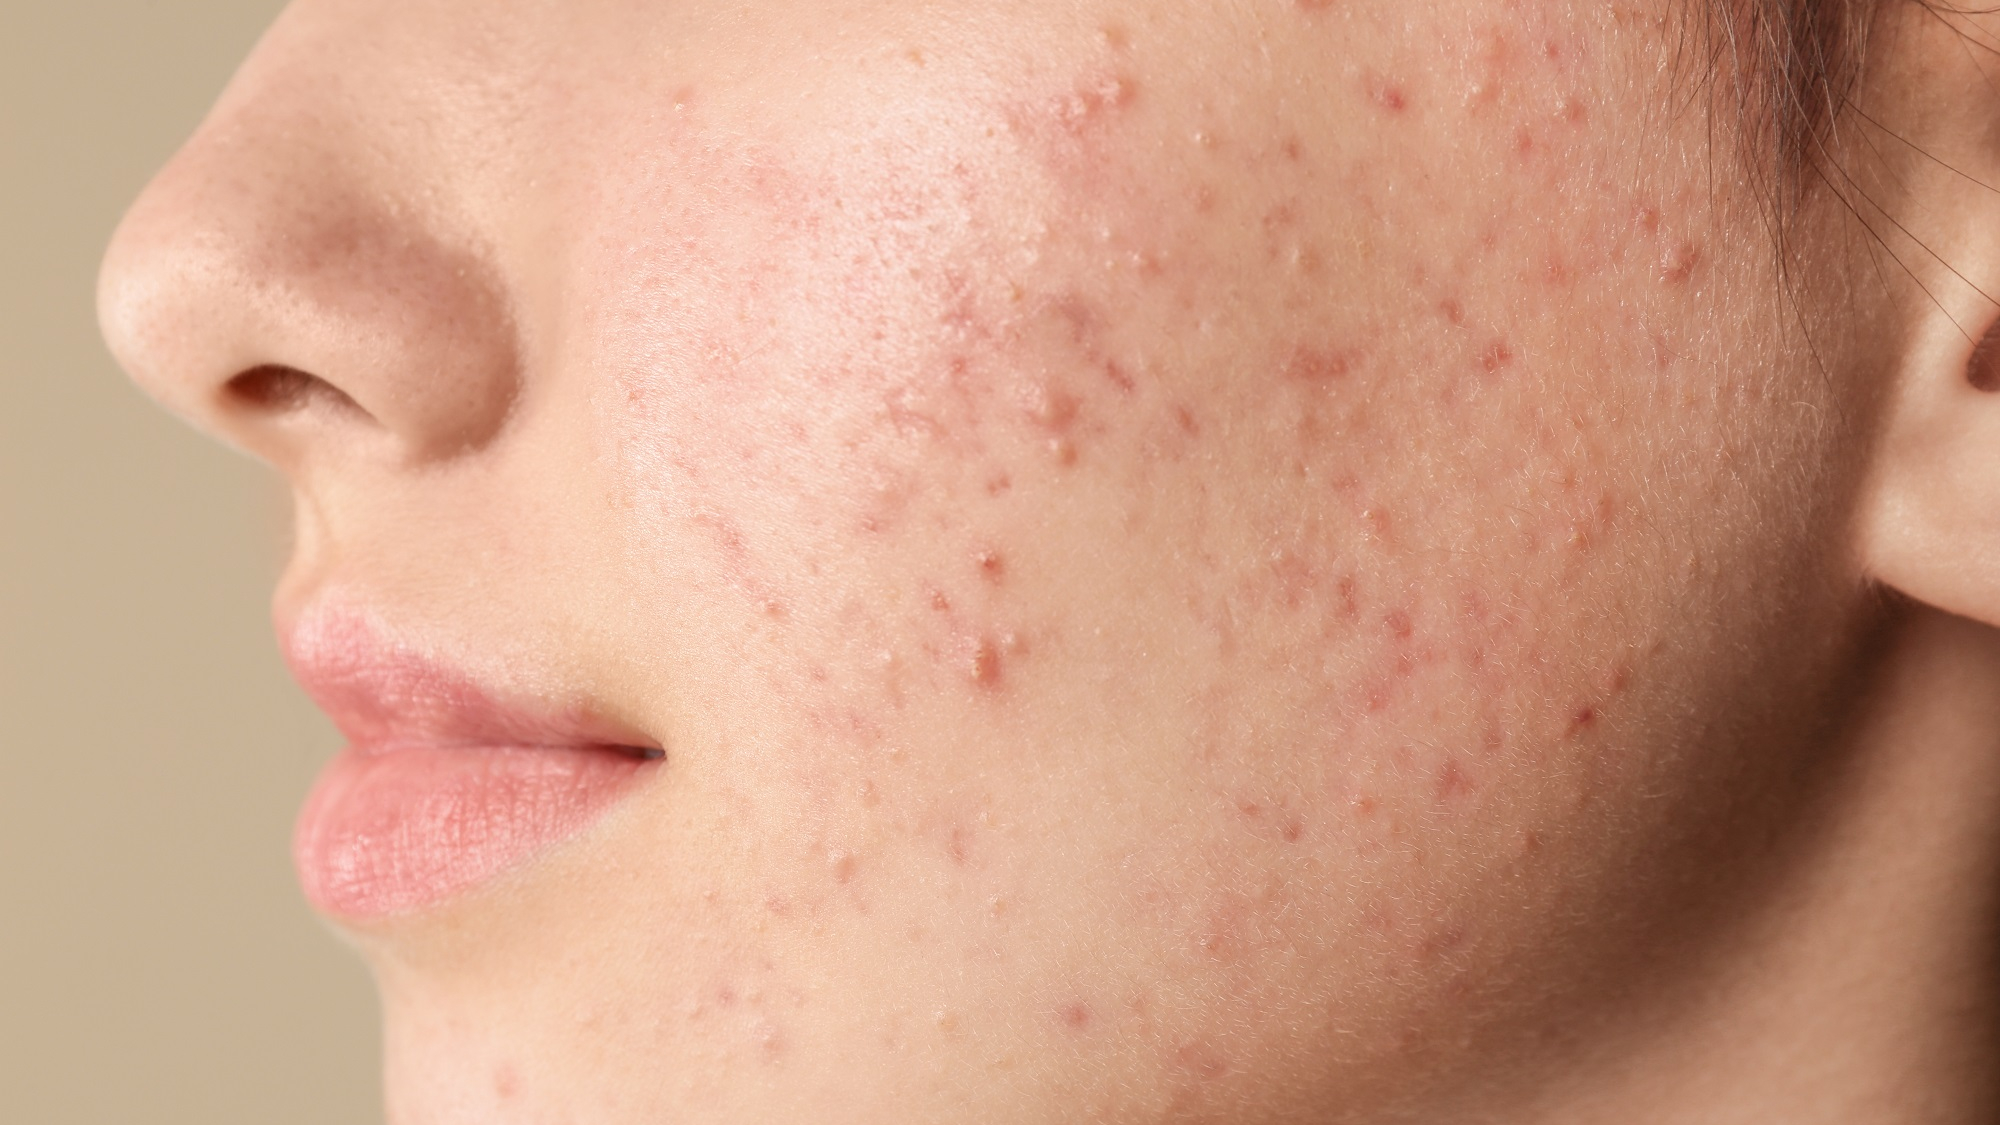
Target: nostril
<point>275,389</point>
<point>1983,372</point>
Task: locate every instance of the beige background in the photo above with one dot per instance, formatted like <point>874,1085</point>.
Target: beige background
<point>156,962</point>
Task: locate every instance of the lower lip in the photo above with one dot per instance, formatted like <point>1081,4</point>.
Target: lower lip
<point>393,830</point>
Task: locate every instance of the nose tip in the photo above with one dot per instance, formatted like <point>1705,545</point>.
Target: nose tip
<point>290,307</point>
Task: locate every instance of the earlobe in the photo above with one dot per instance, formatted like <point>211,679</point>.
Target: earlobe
<point>1930,517</point>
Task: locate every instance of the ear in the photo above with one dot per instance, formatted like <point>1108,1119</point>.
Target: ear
<point>1929,521</point>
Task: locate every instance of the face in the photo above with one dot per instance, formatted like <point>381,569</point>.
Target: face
<point>1187,562</point>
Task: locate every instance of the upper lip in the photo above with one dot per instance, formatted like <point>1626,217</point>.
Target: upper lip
<point>385,695</point>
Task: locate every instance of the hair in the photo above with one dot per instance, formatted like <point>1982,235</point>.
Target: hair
<point>1790,67</point>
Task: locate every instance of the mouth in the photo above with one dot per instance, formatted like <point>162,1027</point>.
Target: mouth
<point>444,785</point>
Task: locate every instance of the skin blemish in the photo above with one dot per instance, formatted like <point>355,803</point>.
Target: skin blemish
<point>958,844</point>
<point>984,664</point>
<point>506,1082</point>
<point>1199,1058</point>
<point>1398,624</point>
<point>1678,262</point>
<point>1184,418</point>
<point>991,566</point>
<point>1054,408</point>
<point>1075,1015</point>
<point>1581,720</point>
<point>1119,377</point>
<point>1452,311</point>
<point>844,867</point>
<point>1092,100</point>
<point>1452,783</point>
<point>1387,96</point>
<point>939,602</point>
<point>1318,365</point>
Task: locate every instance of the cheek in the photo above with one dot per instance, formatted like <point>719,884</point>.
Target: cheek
<point>1096,464</point>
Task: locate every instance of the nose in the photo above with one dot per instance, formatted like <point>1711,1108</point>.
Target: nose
<point>291,287</point>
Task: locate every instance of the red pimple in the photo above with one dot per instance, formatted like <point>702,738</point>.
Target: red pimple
<point>1582,719</point>
<point>1496,356</point>
<point>1399,625</point>
<point>1119,377</point>
<point>1075,1015</point>
<point>1387,95</point>
<point>1292,831</point>
<point>992,566</point>
<point>1452,310</point>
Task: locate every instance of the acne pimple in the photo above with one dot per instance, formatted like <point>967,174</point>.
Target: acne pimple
<point>506,1082</point>
<point>1581,720</point>
<point>1076,1015</point>
<point>991,566</point>
<point>1496,356</point>
<point>1386,95</point>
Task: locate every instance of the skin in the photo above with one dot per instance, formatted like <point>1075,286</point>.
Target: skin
<point>1254,562</point>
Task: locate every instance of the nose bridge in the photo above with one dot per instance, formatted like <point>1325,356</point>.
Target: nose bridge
<point>280,240</point>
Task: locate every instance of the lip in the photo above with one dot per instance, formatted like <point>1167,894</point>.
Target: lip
<point>444,784</point>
